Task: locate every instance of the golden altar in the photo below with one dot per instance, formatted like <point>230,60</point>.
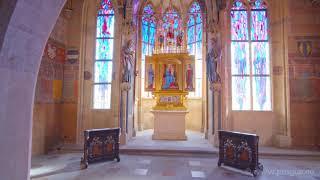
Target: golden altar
<point>170,77</point>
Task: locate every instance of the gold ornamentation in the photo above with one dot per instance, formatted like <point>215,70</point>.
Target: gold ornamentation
<point>166,77</point>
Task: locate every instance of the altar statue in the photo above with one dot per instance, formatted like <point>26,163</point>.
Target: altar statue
<point>161,41</point>
<point>180,39</point>
<point>189,77</point>
<point>150,77</point>
<point>170,36</point>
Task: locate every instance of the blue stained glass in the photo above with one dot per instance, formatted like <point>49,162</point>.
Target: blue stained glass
<point>105,26</point>
<point>239,25</point>
<point>191,49</point>
<point>171,19</point>
<point>259,4</point>
<point>240,58</point>
<point>260,58</point>
<point>104,49</point>
<point>144,50</point>
<point>199,18</point>
<point>152,35</point>
<point>238,5</point>
<point>195,8</point>
<point>261,93</point>
<point>105,7</point>
<point>241,93</point>
<point>191,20</point>
<point>103,72</point>
<point>102,96</point>
<point>199,50</point>
<point>259,25</point>
<point>191,34</point>
<point>148,15</point>
<point>199,32</point>
<point>145,33</point>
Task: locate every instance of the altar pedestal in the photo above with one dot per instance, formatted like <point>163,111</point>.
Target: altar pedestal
<point>169,125</point>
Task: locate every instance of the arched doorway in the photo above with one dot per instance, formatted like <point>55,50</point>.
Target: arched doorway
<point>28,28</point>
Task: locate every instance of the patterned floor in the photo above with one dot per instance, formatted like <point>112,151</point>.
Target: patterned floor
<point>66,167</point>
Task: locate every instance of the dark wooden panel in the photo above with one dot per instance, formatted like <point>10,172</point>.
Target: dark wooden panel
<point>100,145</point>
<point>239,150</point>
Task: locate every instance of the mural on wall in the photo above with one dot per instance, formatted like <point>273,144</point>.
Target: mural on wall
<point>304,70</point>
<point>50,77</point>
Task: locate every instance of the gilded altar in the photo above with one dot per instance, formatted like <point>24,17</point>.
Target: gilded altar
<point>170,77</point>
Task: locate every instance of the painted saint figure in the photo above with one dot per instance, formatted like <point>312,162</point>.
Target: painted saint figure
<point>169,78</point>
<point>189,77</point>
<point>150,77</point>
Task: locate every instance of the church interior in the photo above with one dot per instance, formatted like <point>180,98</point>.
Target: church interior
<point>169,76</point>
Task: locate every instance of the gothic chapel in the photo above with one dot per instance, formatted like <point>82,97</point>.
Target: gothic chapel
<point>173,88</point>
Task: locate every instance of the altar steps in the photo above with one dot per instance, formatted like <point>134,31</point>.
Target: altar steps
<point>265,152</point>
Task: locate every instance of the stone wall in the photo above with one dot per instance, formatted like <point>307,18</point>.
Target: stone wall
<point>6,9</point>
<point>304,72</point>
<point>48,103</point>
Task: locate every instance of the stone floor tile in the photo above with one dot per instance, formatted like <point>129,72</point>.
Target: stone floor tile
<point>168,173</point>
<point>198,174</point>
<point>194,163</point>
<point>140,172</point>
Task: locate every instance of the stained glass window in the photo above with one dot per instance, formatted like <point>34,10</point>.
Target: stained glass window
<point>250,61</point>
<point>148,30</point>
<point>194,40</point>
<point>103,56</point>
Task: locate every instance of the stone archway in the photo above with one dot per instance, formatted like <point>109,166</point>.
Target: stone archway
<point>26,33</point>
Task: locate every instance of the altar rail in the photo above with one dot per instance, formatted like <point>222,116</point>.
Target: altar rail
<point>239,150</point>
<point>100,145</point>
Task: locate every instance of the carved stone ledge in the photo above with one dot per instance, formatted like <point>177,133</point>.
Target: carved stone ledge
<point>216,87</point>
<point>125,86</point>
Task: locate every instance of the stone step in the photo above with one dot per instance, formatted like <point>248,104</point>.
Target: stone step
<point>265,152</point>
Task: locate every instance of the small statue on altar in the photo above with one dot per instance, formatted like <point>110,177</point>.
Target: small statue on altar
<point>170,36</point>
<point>161,41</point>
<point>150,77</point>
<point>180,39</point>
<point>189,78</point>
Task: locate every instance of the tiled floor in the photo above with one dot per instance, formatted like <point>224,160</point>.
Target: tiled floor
<point>66,167</point>
<point>195,141</point>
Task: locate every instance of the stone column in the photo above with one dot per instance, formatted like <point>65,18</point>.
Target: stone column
<point>216,88</point>
<point>125,87</point>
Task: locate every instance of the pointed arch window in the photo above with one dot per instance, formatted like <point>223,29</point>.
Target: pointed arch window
<point>194,42</point>
<point>148,31</point>
<point>103,56</point>
<point>250,62</point>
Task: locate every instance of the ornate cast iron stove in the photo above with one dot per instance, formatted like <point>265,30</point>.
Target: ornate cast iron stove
<point>100,145</point>
<point>239,150</point>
